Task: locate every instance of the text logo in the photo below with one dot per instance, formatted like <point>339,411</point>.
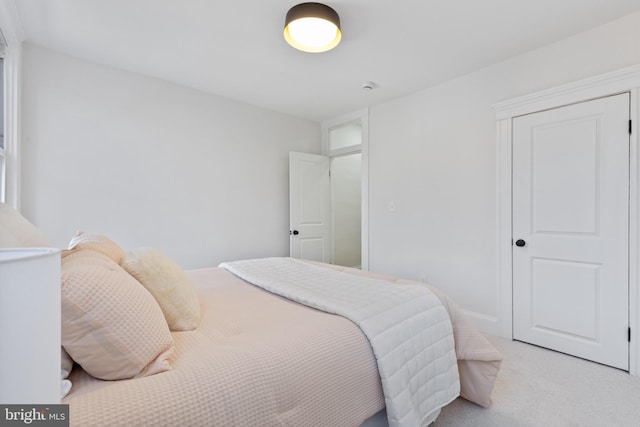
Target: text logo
<point>34,415</point>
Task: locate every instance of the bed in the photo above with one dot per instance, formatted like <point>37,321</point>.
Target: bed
<point>229,352</point>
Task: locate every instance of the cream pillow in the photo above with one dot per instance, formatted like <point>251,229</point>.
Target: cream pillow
<point>17,232</point>
<point>111,325</point>
<point>168,284</point>
<point>98,243</point>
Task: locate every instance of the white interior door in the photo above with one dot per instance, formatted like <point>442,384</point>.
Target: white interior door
<point>571,228</point>
<point>309,207</point>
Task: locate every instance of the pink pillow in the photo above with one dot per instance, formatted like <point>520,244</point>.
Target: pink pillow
<point>98,243</point>
<point>111,325</point>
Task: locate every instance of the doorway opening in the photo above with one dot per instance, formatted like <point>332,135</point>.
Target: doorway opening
<point>329,196</point>
<point>345,143</point>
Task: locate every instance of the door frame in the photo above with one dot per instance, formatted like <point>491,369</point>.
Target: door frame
<point>612,83</point>
<point>361,116</point>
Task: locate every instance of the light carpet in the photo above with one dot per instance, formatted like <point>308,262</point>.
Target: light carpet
<point>539,387</point>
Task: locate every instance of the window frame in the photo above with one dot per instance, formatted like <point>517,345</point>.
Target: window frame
<point>3,151</point>
<point>11,170</point>
<point>13,34</point>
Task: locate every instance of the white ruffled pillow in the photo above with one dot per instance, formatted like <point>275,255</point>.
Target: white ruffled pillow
<point>66,367</point>
<point>168,284</point>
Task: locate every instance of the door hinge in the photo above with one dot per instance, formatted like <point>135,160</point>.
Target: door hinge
<point>629,335</point>
<point>630,126</point>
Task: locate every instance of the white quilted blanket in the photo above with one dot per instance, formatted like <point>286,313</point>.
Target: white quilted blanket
<point>409,330</point>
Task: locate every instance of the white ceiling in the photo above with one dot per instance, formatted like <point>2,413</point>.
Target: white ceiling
<point>235,48</point>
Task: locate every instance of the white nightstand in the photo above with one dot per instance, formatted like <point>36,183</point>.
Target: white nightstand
<point>30,326</point>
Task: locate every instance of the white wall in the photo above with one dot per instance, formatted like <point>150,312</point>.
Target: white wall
<point>149,163</point>
<point>205,179</point>
<point>434,155</point>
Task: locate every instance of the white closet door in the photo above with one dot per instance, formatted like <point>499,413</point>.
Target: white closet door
<point>570,229</point>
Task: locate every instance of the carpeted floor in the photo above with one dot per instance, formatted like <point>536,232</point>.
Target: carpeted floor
<point>538,387</point>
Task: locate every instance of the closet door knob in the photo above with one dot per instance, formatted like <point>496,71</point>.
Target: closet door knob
<point>520,243</point>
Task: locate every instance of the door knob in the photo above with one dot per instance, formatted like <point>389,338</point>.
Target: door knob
<point>520,243</point>
<point>295,232</point>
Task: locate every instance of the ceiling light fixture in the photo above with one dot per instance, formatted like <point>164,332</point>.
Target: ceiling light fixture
<point>312,27</point>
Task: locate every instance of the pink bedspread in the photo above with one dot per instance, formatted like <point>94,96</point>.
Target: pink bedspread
<point>258,359</point>
<point>255,360</point>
